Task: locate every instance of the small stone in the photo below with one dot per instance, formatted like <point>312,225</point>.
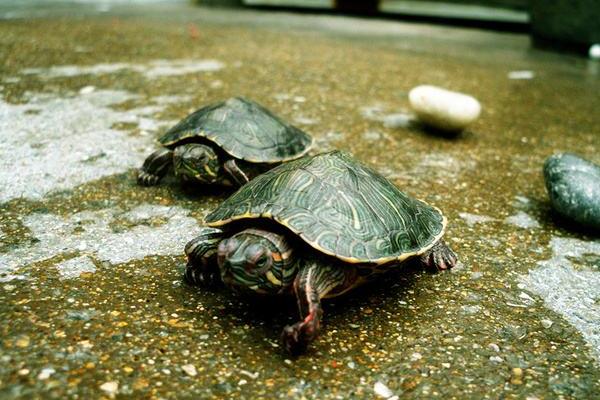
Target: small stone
<point>446,365</point>
<point>87,89</point>
<point>496,359</point>
<point>444,109</point>
<point>252,375</point>
<point>546,323</point>
<point>22,342</point>
<point>516,376</point>
<point>242,382</point>
<point>23,372</point>
<point>189,369</point>
<point>415,356</point>
<point>471,310</point>
<point>573,185</point>
<point>382,390</point>
<point>110,387</point>
<point>526,297</point>
<point>519,75</point>
<point>140,384</point>
<point>46,373</point>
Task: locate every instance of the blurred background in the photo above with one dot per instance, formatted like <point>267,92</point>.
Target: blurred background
<point>565,24</point>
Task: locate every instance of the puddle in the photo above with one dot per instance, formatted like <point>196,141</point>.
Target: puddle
<point>473,219</point>
<point>152,69</point>
<point>68,141</point>
<point>572,292</point>
<point>91,233</point>
<point>522,220</point>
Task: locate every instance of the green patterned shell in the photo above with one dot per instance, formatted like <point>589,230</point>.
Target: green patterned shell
<point>243,129</point>
<point>340,207</point>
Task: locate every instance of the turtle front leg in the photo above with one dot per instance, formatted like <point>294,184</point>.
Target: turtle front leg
<point>439,257</point>
<point>313,282</point>
<point>155,167</point>
<point>235,172</point>
<point>202,268</point>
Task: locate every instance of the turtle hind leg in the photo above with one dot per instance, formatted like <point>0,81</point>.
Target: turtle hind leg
<point>313,282</point>
<point>440,257</point>
<point>155,167</point>
<point>201,268</point>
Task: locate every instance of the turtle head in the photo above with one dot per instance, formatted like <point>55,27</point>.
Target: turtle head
<point>196,162</point>
<point>257,260</point>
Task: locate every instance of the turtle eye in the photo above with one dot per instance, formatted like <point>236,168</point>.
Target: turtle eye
<point>258,260</point>
<point>262,261</point>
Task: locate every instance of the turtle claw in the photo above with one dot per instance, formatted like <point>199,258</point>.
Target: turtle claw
<point>439,258</point>
<point>296,337</point>
<point>199,277</point>
<point>146,179</point>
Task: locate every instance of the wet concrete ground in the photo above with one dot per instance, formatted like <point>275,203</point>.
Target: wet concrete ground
<point>91,294</point>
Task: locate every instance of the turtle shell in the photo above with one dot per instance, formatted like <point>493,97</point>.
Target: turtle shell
<point>243,129</point>
<point>340,207</point>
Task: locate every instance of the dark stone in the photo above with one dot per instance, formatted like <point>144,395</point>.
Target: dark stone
<point>573,185</point>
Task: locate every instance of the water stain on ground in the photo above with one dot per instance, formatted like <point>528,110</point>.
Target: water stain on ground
<point>114,318</point>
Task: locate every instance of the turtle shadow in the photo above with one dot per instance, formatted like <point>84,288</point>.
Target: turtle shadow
<point>196,192</point>
<point>268,315</point>
<point>566,225</point>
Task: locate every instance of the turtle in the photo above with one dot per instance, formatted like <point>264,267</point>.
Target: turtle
<point>225,143</point>
<point>315,228</point>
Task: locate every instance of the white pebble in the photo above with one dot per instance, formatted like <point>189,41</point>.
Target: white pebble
<point>87,89</point>
<point>517,75</point>
<point>382,390</point>
<point>189,369</point>
<point>46,373</point>
<point>546,323</point>
<point>415,356</point>
<point>595,51</point>
<point>444,109</point>
<point>496,359</point>
<point>110,387</point>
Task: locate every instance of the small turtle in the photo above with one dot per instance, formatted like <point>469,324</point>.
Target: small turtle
<point>315,227</point>
<point>225,143</point>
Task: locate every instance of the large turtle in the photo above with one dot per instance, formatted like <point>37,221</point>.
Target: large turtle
<point>225,143</point>
<point>317,227</point>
